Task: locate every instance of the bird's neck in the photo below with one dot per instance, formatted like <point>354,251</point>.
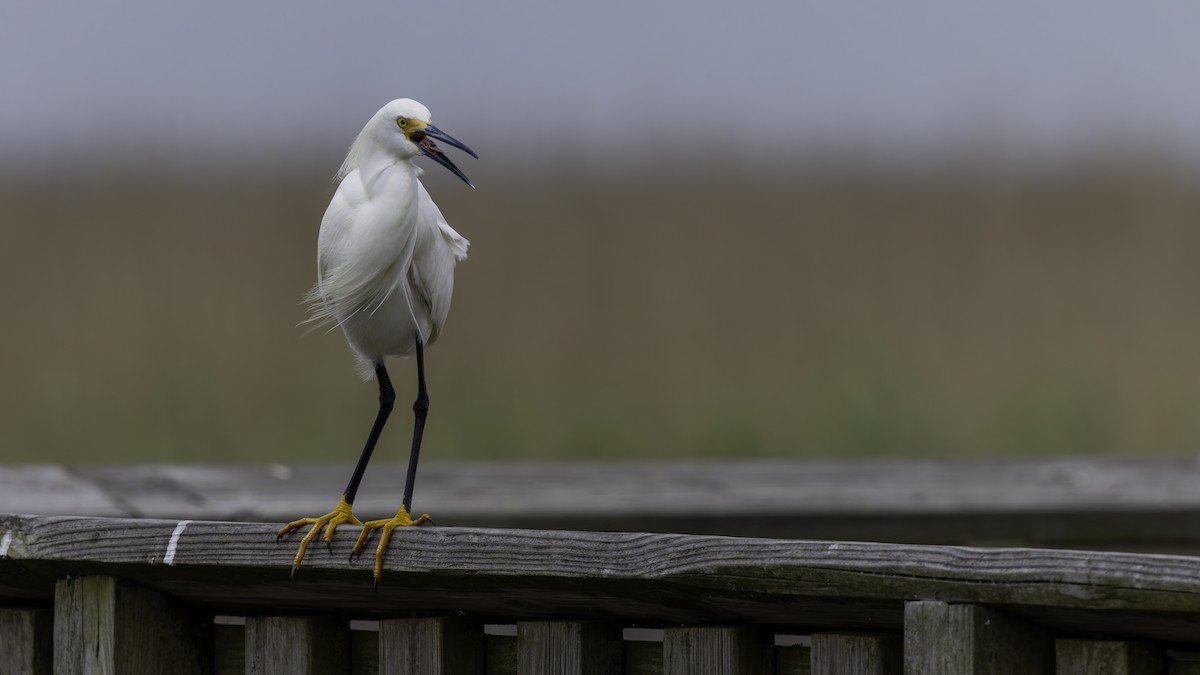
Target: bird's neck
<point>378,167</point>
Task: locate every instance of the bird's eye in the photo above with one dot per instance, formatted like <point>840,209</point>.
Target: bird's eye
<point>401,122</point>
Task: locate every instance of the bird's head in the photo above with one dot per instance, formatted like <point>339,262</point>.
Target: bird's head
<point>405,127</point>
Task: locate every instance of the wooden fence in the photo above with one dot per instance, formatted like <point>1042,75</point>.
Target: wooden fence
<point>100,595</point>
<point>1119,504</point>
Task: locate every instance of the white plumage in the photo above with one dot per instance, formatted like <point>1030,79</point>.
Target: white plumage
<point>385,274</point>
<point>385,254</point>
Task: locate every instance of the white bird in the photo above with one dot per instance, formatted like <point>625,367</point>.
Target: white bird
<point>385,273</point>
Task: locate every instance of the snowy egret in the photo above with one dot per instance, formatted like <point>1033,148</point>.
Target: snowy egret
<point>385,273</point>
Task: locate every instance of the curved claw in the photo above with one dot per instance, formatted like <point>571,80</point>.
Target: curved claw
<point>387,525</point>
<point>340,514</point>
<point>362,538</point>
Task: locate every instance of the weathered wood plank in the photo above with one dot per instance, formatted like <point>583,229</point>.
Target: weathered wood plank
<point>297,645</point>
<point>447,645</point>
<point>568,648</point>
<point>59,490</point>
<point>943,639</point>
<point>793,660</point>
<point>857,654</point>
<point>104,625</point>
<point>717,650</point>
<point>1105,503</point>
<point>1108,657</point>
<point>743,579</point>
<point>26,641</point>
<point>636,578</point>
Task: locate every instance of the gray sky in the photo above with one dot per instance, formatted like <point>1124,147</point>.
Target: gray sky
<point>234,81</point>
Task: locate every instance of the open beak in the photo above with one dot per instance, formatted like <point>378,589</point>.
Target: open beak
<point>424,138</point>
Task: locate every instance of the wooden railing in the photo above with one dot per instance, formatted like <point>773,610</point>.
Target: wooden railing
<point>146,596</point>
<point>1133,505</point>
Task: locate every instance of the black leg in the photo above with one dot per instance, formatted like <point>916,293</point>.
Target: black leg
<point>420,409</point>
<point>387,398</point>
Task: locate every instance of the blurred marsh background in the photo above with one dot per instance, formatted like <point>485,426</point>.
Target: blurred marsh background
<point>774,229</point>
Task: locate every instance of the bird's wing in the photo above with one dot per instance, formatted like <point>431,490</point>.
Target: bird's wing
<point>428,212</point>
<point>438,248</point>
<point>363,252</point>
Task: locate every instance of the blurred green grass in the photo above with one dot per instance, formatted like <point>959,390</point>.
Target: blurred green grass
<point>802,313</point>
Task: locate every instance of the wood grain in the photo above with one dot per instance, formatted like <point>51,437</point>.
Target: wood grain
<point>569,648</point>
<point>857,654</point>
<point>106,626</point>
<point>297,645</point>
<point>447,645</point>
<point>1150,504</point>
<point>717,650</point>
<point>647,579</point>
<point>26,641</point>
<point>1108,657</point>
<point>944,639</point>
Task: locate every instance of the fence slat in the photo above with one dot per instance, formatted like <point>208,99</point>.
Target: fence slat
<point>717,650</point>
<point>26,641</point>
<point>857,654</point>
<point>1108,657</point>
<point>297,645</point>
<point>568,648</point>
<point>103,625</point>
<point>944,639</point>
<point>446,645</point>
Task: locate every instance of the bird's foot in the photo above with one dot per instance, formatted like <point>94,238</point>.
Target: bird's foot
<point>340,514</point>
<point>401,519</point>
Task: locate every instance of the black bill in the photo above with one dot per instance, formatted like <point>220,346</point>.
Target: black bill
<point>424,138</point>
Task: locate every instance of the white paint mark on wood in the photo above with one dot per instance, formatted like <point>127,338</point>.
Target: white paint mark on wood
<point>169,558</point>
<point>1124,596</point>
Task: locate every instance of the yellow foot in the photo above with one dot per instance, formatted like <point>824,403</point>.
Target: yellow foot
<point>340,514</point>
<point>401,519</point>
